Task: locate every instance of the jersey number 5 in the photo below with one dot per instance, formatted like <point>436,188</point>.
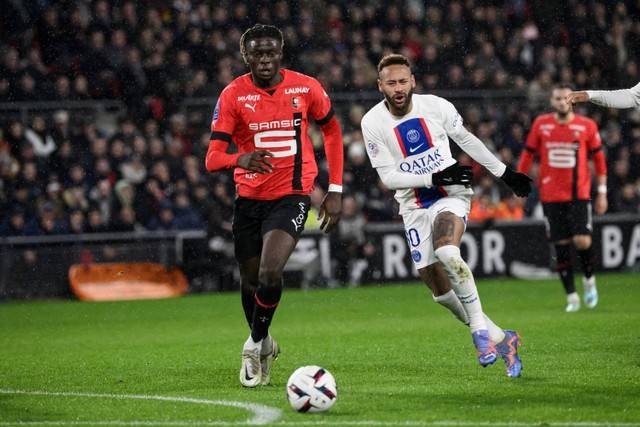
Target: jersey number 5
<point>562,158</point>
<point>277,139</point>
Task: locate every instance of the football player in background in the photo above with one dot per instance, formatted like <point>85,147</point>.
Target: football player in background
<point>564,142</point>
<point>622,98</point>
<point>266,114</point>
<point>407,141</point>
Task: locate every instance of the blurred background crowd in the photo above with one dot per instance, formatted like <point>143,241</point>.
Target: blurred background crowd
<point>496,60</point>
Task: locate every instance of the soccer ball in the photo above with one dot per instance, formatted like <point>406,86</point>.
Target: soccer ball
<point>311,389</point>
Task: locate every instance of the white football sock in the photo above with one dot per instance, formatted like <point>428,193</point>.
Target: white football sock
<point>451,302</point>
<point>588,283</point>
<point>496,334</point>
<point>463,285</point>
<point>250,344</point>
<point>267,345</point>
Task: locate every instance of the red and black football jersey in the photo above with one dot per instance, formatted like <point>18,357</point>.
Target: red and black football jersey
<point>564,150</point>
<point>277,120</point>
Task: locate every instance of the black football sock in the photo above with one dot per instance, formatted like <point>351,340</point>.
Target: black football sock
<point>266,299</point>
<point>564,267</point>
<point>248,303</point>
<point>587,259</point>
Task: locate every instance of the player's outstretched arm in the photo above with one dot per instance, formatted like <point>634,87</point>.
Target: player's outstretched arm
<point>394,179</point>
<point>519,182</point>
<point>578,96</point>
<point>623,98</point>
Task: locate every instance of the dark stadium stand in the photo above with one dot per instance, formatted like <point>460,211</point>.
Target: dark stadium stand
<point>105,106</point>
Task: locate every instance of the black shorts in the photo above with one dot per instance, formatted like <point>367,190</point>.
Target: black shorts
<point>252,219</point>
<point>567,219</point>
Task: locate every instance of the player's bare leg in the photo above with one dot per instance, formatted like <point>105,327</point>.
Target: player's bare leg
<point>564,266</point>
<point>436,278</point>
<point>447,233</point>
<point>276,250</point>
<point>506,341</point>
<point>584,247</point>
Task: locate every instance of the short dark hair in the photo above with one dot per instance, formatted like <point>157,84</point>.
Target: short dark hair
<point>258,31</point>
<point>393,59</point>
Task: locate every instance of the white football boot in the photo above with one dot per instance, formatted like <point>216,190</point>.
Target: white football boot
<point>269,353</point>
<point>573,303</point>
<point>250,372</point>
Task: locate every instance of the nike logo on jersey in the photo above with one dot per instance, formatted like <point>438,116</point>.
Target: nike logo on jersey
<point>251,107</point>
<point>414,149</point>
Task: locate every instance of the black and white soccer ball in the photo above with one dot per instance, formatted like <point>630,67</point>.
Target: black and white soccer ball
<point>311,389</point>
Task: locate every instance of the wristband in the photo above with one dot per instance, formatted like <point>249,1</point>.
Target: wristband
<point>335,188</point>
<point>602,189</point>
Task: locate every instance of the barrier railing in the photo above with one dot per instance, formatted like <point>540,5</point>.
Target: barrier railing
<point>38,266</point>
<point>93,108</point>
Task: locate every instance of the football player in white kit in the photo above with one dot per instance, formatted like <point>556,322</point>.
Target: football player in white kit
<point>622,98</point>
<point>407,140</point>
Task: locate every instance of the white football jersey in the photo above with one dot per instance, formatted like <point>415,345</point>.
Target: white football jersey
<point>417,143</point>
<point>623,98</point>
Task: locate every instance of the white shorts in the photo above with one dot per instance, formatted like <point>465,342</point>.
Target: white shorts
<point>418,225</point>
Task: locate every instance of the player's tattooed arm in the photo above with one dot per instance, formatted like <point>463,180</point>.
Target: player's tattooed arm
<point>447,230</point>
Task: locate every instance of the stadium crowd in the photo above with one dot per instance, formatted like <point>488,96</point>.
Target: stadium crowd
<point>63,173</point>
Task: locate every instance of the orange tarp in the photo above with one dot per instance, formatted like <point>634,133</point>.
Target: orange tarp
<point>126,281</point>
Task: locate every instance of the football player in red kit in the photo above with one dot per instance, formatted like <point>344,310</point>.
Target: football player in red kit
<point>564,142</point>
<point>266,114</point>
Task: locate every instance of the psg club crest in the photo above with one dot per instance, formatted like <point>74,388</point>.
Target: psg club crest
<point>413,136</point>
<point>295,102</point>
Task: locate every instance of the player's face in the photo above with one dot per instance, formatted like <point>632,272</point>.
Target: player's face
<point>397,83</point>
<point>560,102</point>
<point>263,56</point>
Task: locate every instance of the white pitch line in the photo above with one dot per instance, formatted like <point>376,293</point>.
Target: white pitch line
<point>261,414</point>
<point>452,423</point>
<point>267,415</point>
<point>436,423</point>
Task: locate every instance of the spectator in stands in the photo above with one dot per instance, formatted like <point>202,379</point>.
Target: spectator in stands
<point>76,222</point>
<point>38,136</point>
<point>14,223</point>
<point>153,57</point>
<point>186,216</point>
<point>165,219</point>
<point>125,221</point>
<point>95,220</point>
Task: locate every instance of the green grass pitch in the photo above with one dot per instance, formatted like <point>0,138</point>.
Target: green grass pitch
<point>398,358</point>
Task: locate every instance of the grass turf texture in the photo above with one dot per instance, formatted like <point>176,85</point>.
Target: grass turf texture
<point>396,355</point>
